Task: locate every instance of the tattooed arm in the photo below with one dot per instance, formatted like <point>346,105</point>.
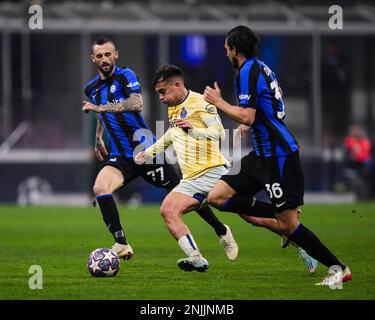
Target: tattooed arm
<point>133,103</point>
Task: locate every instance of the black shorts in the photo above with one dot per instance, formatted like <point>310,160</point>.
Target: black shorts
<point>163,176</point>
<point>281,177</point>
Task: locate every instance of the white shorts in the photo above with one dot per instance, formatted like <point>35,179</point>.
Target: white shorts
<point>199,187</point>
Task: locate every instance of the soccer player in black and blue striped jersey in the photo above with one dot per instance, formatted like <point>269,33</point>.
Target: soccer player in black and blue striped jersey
<point>274,164</point>
<point>115,96</point>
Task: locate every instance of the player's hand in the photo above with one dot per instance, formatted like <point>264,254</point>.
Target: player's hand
<point>88,106</point>
<point>100,148</point>
<point>212,95</point>
<point>243,129</point>
<point>140,158</point>
<point>183,125</point>
<point>239,133</point>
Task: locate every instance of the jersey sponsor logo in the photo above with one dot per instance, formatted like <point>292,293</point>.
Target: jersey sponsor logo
<point>244,97</point>
<point>210,109</point>
<point>133,84</point>
<point>113,88</point>
<point>183,113</point>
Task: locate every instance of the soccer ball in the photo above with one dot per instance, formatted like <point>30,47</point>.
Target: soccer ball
<point>103,262</point>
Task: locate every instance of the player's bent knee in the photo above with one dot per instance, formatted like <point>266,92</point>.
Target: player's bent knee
<point>215,200</point>
<point>287,221</point>
<point>285,227</point>
<point>167,213</point>
<point>100,189</point>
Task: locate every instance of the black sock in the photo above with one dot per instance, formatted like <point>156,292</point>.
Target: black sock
<point>249,206</point>
<point>111,217</point>
<point>308,241</point>
<point>208,216</point>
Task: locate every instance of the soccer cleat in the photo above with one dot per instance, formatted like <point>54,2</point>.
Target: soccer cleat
<point>336,277</point>
<point>311,263</point>
<point>347,275</point>
<point>124,251</point>
<point>191,263</point>
<point>229,244</point>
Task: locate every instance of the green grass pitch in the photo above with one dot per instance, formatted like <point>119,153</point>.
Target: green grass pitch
<point>60,240</point>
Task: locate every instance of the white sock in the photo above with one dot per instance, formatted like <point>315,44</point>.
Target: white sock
<point>188,245</point>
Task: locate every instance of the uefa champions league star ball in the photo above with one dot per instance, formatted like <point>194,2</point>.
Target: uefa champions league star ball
<point>103,262</point>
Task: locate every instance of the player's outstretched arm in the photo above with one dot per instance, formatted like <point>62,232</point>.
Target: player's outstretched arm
<point>132,104</point>
<point>244,116</point>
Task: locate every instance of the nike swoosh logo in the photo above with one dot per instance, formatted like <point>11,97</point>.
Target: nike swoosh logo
<point>165,184</point>
<point>278,205</point>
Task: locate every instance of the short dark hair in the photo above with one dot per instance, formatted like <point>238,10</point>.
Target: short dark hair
<point>102,40</point>
<point>165,72</point>
<point>244,40</point>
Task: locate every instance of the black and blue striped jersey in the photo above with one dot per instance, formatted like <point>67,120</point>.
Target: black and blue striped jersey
<point>125,130</point>
<point>257,87</point>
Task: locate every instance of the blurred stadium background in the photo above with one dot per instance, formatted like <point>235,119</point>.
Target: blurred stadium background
<point>46,143</point>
